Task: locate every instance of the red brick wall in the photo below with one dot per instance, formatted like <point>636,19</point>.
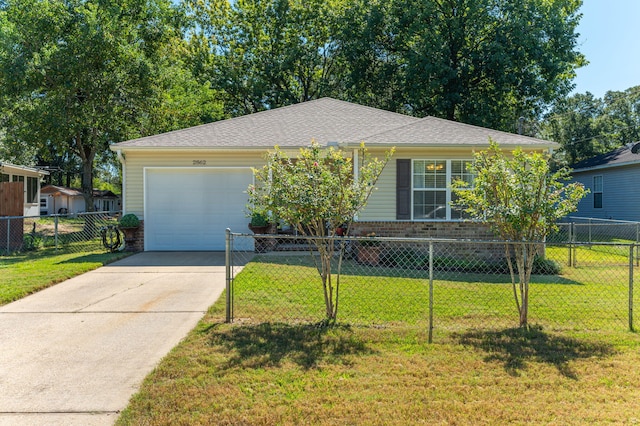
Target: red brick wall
<point>454,230</point>
<point>139,245</point>
<point>439,230</point>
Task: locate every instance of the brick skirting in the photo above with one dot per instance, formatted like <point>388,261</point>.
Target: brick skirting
<point>440,230</point>
<point>448,230</point>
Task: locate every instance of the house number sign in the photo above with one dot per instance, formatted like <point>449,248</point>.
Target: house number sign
<point>199,162</point>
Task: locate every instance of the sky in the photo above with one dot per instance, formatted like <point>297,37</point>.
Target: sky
<point>610,40</point>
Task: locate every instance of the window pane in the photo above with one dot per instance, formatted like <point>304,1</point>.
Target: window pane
<point>429,174</point>
<point>597,200</point>
<point>597,184</point>
<point>429,205</point>
<point>459,171</point>
<point>4,178</point>
<point>457,213</point>
<point>32,189</point>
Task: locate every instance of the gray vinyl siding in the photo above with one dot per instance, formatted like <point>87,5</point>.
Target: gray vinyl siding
<point>620,193</point>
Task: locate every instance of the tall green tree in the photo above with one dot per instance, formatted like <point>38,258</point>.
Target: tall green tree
<point>521,199</point>
<point>483,62</point>
<point>586,126</point>
<point>77,75</point>
<point>267,53</point>
<point>575,123</point>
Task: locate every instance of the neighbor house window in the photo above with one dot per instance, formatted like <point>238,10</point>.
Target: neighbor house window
<point>32,190</point>
<point>431,188</point>
<point>4,178</point>
<point>597,192</point>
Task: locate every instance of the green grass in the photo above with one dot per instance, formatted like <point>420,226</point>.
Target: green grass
<point>376,368</point>
<point>21,275</point>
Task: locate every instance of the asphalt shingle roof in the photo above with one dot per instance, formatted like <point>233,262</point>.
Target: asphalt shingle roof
<point>437,132</point>
<point>617,157</point>
<point>327,120</point>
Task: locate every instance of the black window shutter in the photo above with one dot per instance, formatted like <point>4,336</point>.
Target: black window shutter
<point>403,189</point>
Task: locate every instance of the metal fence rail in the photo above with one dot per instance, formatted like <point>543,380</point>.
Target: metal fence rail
<point>69,233</point>
<point>577,229</point>
<point>439,285</point>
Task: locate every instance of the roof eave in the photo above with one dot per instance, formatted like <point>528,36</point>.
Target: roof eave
<point>605,166</point>
<point>352,145</point>
<point>24,168</point>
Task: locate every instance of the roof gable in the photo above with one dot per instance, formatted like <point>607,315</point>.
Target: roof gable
<point>323,120</point>
<point>326,121</point>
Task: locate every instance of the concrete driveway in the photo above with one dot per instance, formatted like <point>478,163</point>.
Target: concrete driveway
<point>76,352</point>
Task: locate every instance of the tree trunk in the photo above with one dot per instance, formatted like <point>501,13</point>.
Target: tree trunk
<point>87,154</point>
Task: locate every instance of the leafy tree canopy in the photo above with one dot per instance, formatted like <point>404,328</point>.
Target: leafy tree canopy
<point>521,199</point>
<point>586,126</point>
<point>316,192</point>
<point>483,62</point>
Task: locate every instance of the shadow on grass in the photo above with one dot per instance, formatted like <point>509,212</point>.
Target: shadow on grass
<point>516,346</point>
<point>271,344</point>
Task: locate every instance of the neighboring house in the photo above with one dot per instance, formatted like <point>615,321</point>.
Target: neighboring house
<point>62,200</point>
<point>612,180</point>
<point>31,178</point>
<point>188,186</point>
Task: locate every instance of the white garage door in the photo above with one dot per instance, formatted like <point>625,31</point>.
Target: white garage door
<point>190,209</point>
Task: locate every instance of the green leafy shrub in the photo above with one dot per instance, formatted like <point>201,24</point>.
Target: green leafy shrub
<point>259,219</point>
<point>129,220</point>
<point>31,242</point>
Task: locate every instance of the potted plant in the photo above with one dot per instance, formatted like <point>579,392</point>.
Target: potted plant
<point>369,250</point>
<point>259,223</point>
<point>129,224</point>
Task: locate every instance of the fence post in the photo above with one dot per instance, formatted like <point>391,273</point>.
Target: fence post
<point>227,264</point>
<point>637,245</point>
<point>55,231</point>
<point>570,245</point>
<point>8,235</point>
<point>631,287</point>
<point>430,339</point>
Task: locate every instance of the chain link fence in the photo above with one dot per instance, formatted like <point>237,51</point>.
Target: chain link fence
<point>69,233</point>
<point>585,229</point>
<point>436,285</point>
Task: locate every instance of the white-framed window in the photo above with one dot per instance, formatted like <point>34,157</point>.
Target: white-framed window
<point>431,188</point>
<point>597,191</point>
<point>32,190</point>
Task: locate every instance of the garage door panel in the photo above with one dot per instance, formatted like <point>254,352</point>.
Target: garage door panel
<point>190,209</point>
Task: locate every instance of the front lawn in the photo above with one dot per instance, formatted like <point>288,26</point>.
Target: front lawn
<point>23,274</point>
<point>263,372</point>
